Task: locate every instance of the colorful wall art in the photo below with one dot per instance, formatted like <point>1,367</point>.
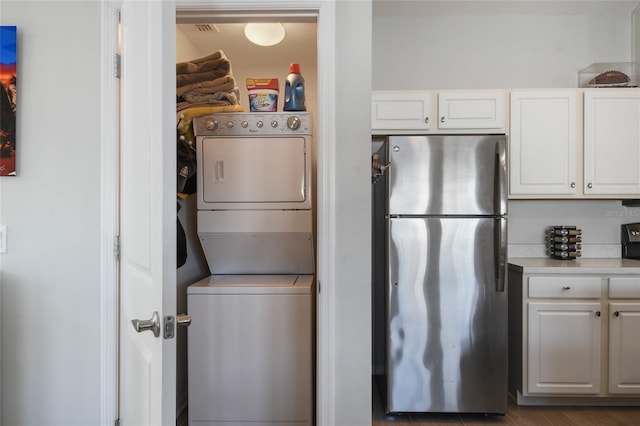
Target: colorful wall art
<point>8,100</point>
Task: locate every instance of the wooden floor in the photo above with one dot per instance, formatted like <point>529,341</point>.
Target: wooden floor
<point>516,415</point>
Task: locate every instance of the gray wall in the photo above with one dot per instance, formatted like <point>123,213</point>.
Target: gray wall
<point>512,45</point>
<point>50,277</point>
<point>352,197</point>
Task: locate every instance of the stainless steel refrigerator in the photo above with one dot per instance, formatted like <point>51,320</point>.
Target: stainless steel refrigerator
<point>444,239</point>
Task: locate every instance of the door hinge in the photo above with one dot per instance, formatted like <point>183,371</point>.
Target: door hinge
<point>116,423</point>
<point>116,246</point>
<point>117,65</point>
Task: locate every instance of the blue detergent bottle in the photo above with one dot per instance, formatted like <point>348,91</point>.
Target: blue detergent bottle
<point>294,90</point>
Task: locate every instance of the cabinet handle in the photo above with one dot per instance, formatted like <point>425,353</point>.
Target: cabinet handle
<point>442,119</point>
<point>426,120</point>
<point>566,288</point>
<point>616,314</point>
<point>573,184</point>
<point>597,313</point>
<point>589,185</point>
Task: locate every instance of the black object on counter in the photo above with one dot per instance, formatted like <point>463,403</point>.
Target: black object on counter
<point>564,242</point>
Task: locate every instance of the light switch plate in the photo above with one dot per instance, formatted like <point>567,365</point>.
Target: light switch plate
<point>3,238</point>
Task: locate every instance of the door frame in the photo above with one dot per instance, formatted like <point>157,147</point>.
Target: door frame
<point>109,190</point>
<point>325,273</point>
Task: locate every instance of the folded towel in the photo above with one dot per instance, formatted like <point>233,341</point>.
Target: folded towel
<point>223,98</point>
<point>198,77</point>
<point>210,65</point>
<point>215,55</point>
<point>219,84</point>
<point>185,115</point>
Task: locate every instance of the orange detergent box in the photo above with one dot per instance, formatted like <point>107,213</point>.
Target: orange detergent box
<point>263,94</point>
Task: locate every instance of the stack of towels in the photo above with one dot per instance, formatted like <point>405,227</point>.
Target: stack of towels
<point>204,86</point>
<point>206,81</point>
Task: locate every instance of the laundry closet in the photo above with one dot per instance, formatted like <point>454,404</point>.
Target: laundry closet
<point>236,241</point>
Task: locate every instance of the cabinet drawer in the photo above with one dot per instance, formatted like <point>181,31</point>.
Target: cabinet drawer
<point>565,287</point>
<point>624,287</point>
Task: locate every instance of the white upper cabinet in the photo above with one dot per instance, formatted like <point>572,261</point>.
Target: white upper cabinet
<point>543,142</point>
<point>401,110</point>
<point>471,110</point>
<point>612,141</point>
<point>459,111</point>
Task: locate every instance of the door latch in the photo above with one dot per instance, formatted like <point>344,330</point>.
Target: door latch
<point>184,320</point>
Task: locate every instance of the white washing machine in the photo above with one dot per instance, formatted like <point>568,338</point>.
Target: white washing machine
<point>251,350</point>
<point>251,339</point>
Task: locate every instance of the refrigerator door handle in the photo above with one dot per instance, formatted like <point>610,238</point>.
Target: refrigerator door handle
<point>500,247</point>
<point>500,178</point>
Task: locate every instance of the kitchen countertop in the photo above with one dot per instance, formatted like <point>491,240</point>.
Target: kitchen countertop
<point>578,266</point>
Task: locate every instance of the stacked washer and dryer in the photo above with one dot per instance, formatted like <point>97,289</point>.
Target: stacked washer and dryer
<point>251,339</point>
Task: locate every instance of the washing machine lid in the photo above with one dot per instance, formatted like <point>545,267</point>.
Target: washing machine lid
<point>253,284</point>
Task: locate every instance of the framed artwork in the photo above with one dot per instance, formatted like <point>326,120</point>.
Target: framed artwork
<point>8,100</point>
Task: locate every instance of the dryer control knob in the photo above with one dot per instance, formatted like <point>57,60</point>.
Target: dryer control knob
<point>274,124</point>
<point>293,123</point>
<point>211,124</point>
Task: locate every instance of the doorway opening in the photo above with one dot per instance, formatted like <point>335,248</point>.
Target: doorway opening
<point>201,33</point>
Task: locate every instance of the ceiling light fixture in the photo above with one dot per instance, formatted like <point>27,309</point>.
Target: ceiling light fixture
<point>264,34</point>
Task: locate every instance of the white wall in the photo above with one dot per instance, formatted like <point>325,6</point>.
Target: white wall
<point>477,49</point>
<point>636,35</point>
<point>599,220</point>
<point>50,277</point>
<point>352,252</point>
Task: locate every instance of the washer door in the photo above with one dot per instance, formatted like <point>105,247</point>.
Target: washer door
<point>253,173</point>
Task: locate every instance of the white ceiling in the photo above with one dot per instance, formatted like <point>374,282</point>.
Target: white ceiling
<point>299,44</point>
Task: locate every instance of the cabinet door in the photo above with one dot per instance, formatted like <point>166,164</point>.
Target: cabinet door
<point>401,111</point>
<point>612,141</point>
<point>543,142</point>
<point>471,110</point>
<point>624,348</point>
<point>563,353</point>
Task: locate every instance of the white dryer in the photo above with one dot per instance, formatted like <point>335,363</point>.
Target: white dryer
<point>250,343</point>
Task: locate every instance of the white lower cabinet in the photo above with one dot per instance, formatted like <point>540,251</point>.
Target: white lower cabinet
<point>564,348</point>
<point>624,348</point>
<point>574,336</point>
<point>624,335</point>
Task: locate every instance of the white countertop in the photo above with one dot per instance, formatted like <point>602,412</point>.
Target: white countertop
<point>578,266</point>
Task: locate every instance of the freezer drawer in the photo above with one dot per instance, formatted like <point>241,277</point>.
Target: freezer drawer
<point>446,316</point>
<point>452,174</point>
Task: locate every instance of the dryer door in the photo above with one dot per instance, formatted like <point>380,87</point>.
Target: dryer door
<point>253,173</point>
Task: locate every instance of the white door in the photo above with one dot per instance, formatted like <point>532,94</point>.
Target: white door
<point>471,110</point>
<point>148,212</point>
<point>624,348</point>
<point>564,348</point>
<point>543,142</point>
<point>611,141</point>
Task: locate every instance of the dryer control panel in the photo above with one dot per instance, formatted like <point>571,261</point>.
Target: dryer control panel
<point>253,124</point>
